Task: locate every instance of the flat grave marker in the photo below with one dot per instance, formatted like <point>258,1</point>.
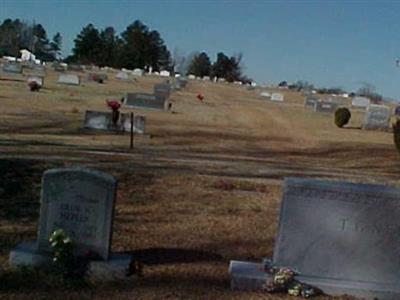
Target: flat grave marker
<point>277,97</point>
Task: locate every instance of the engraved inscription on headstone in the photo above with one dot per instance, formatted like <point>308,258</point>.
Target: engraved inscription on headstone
<point>377,117</point>
<point>81,202</point>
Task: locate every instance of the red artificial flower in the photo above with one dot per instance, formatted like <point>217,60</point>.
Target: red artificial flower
<point>113,104</point>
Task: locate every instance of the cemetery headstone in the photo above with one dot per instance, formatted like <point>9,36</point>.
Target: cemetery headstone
<point>341,237</point>
<point>310,103</point>
<point>97,77</point>
<point>122,76</point>
<point>377,117</point>
<point>100,120</point>
<point>324,106</point>
<point>360,102</point>
<point>146,101</point>
<point>162,90</point>
<point>70,79</point>
<point>76,68</point>
<point>265,94</point>
<point>35,78</point>
<point>15,68</point>
<point>277,97</point>
<point>81,202</point>
<point>191,76</point>
<point>165,73</point>
<point>138,72</point>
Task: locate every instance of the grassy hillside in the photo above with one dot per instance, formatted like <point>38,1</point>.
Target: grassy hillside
<point>201,188</point>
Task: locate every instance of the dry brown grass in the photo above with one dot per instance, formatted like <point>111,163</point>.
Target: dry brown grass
<point>205,188</point>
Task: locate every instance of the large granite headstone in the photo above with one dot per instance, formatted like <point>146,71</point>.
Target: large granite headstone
<point>341,237</point>
<point>69,79</point>
<point>81,202</point>
<point>101,120</point>
<point>377,117</point>
<point>162,90</point>
<point>148,101</point>
<point>14,68</point>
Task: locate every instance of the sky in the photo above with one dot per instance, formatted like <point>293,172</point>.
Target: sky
<point>328,43</point>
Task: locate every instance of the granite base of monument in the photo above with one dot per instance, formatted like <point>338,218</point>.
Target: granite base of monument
<point>249,276</point>
<point>115,268</point>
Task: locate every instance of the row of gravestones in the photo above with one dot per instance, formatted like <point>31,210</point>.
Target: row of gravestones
<point>340,237</point>
<point>159,100</point>
<point>33,72</point>
<point>377,117</point>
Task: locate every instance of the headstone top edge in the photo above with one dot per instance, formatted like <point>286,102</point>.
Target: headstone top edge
<point>96,173</point>
<point>342,185</point>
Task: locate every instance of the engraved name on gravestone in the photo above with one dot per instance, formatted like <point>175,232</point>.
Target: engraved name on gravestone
<point>142,100</point>
<point>377,117</point>
<point>341,237</point>
<point>81,202</point>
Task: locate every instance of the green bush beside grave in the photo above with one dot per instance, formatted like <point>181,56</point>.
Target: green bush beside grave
<point>342,116</point>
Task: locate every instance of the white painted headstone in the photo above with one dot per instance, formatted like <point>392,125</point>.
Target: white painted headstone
<point>277,97</point>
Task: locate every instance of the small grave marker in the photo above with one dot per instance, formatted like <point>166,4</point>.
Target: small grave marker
<point>277,97</point>
<point>100,120</point>
<point>377,117</point>
<point>69,79</point>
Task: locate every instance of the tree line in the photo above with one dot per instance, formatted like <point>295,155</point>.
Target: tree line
<point>136,47</point>
<point>16,35</point>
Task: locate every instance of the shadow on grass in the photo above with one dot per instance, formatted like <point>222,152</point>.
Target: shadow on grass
<point>158,256</point>
<point>20,188</point>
